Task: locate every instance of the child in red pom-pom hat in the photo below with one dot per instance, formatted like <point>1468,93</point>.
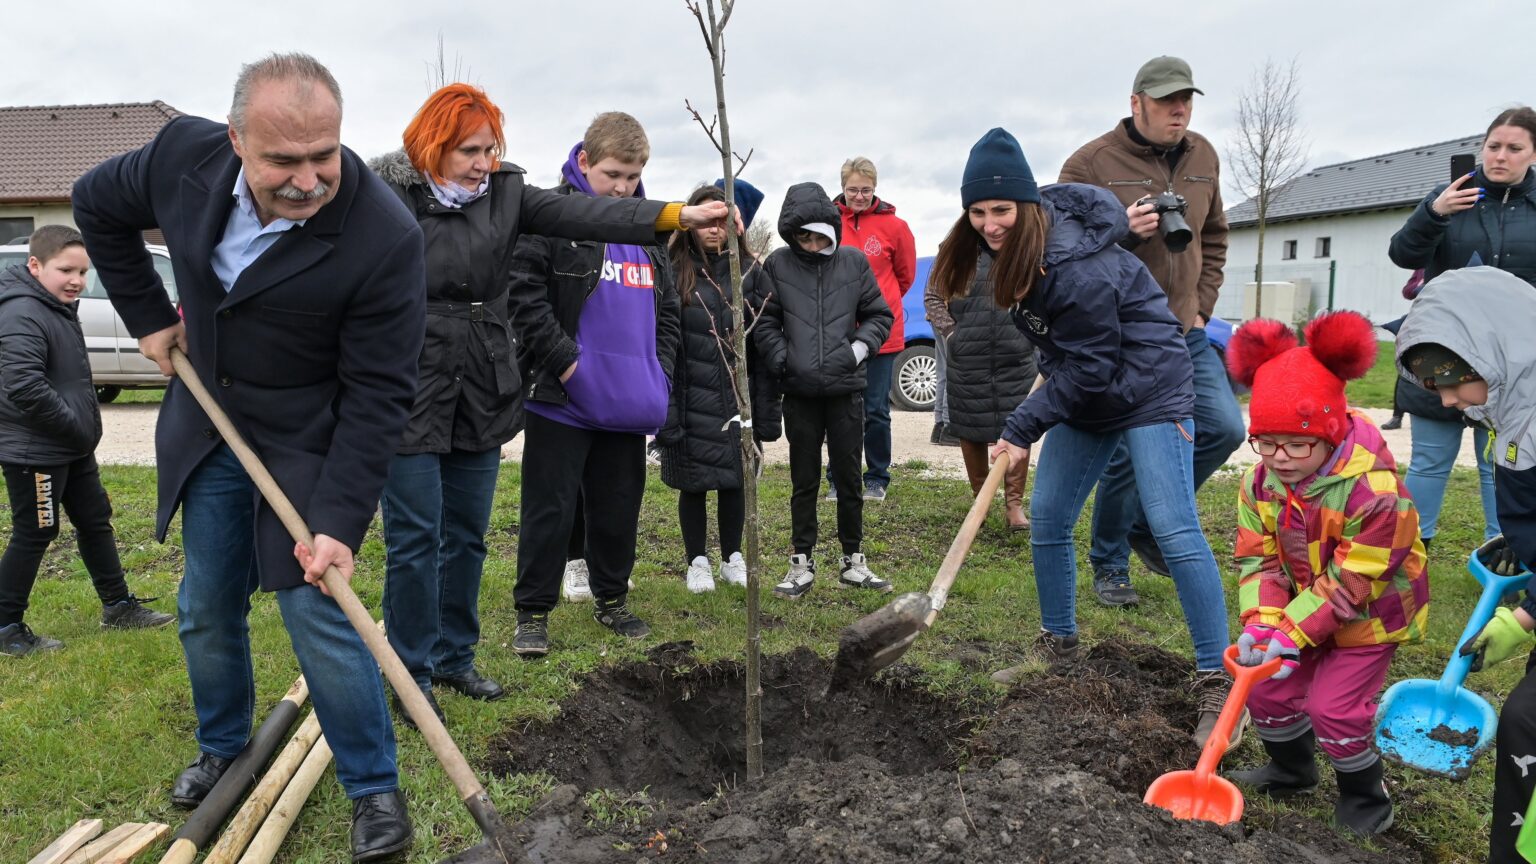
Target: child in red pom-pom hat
<point>1331,568</point>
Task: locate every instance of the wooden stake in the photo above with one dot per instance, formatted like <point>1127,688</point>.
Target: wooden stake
<point>78,835</point>
<point>251,814</point>
<point>97,849</point>
<point>265,844</point>
<point>135,845</point>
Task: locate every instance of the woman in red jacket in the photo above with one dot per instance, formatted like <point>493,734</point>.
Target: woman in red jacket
<point>872,226</point>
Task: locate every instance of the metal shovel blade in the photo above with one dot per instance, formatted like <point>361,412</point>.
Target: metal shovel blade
<point>880,638</point>
<point>501,844</point>
<point>1439,731</point>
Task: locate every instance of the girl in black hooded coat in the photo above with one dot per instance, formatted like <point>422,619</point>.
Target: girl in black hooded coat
<point>700,446</point>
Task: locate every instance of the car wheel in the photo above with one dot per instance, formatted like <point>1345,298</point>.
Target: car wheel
<point>107,394</point>
<point>915,382</point>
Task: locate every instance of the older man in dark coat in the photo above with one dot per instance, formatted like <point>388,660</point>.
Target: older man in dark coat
<point>302,286</point>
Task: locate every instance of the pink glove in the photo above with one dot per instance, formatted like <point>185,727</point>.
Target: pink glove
<point>1275,644</point>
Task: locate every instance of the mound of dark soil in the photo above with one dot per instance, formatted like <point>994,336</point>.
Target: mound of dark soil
<point>886,772</point>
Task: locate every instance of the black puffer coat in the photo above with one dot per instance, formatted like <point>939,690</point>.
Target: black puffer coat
<point>1501,229</point>
<point>817,305</point>
<point>990,366</point>
<point>468,398</point>
<point>48,410</point>
<point>699,436</point>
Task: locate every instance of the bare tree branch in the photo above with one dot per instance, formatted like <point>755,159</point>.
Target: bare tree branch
<point>1269,148</point>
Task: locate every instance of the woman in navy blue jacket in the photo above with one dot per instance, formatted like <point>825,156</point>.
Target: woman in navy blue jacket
<point>1116,369</point>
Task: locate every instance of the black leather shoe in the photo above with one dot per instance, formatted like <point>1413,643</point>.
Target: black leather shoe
<point>381,829</point>
<point>405,716</point>
<point>197,781</point>
<point>472,684</point>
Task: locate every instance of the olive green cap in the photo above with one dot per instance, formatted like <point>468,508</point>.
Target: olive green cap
<point>1438,366</point>
<point>1162,76</point>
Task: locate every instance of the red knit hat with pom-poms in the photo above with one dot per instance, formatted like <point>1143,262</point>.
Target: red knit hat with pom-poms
<point>1299,390</point>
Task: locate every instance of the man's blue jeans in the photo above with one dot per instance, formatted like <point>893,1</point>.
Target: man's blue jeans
<point>1435,445</point>
<point>1116,511</point>
<point>218,513</point>
<point>436,511</point>
<point>1071,462</point>
<point>877,419</point>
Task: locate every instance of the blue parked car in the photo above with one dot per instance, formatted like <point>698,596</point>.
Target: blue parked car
<point>915,380</point>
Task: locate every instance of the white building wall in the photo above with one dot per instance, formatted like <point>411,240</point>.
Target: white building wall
<point>40,214</point>
<point>1364,279</point>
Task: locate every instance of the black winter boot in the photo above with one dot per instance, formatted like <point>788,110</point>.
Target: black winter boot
<point>1291,770</point>
<point>1363,807</point>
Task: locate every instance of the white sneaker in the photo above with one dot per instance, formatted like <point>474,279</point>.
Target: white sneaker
<point>856,574</point>
<point>574,584</point>
<point>700,576</point>
<point>734,570</point>
<point>799,579</point>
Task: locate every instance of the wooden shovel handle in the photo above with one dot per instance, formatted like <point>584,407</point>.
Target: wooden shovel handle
<point>962,542</point>
<point>405,686</point>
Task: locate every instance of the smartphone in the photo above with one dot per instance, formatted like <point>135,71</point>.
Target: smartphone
<point>1462,165</point>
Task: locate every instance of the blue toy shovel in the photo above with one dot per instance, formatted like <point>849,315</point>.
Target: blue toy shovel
<point>1440,726</point>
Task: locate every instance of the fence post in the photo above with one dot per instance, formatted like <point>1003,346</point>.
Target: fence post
<point>1333,272</point>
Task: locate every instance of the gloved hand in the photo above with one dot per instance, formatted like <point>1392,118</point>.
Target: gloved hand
<point>860,351</point>
<point>1278,645</point>
<point>1503,638</point>
<point>1498,557</point>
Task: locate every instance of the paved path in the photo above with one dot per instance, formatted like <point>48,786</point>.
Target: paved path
<point>129,440</point>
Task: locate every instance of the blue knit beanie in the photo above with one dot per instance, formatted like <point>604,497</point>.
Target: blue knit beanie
<point>748,199</point>
<point>997,169</point>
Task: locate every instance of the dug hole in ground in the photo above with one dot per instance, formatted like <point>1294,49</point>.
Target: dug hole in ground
<point>886,772</point>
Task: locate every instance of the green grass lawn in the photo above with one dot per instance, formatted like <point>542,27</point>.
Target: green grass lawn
<point>101,728</point>
<point>1375,389</point>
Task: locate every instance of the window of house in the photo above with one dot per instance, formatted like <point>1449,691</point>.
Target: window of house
<point>15,229</point>
<point>1324,247</point>
<point>1288,250</point>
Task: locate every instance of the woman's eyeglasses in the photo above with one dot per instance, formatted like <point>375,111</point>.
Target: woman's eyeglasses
<point>1293,449</point>
<point>859,193</point>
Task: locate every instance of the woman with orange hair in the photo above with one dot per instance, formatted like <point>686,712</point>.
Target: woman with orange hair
<point>437,502</point>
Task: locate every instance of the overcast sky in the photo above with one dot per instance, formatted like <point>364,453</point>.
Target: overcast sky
<point>809,82</point>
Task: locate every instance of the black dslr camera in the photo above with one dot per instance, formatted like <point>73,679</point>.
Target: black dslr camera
<point>1170,208</point>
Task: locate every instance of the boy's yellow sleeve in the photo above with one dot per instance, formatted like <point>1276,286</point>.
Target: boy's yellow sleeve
<point>670,218</point>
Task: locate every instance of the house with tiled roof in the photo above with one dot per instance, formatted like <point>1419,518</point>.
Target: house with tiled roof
<point>1327,232</point>
<point>44,149</point>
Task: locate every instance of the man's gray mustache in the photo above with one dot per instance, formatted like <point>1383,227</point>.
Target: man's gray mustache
<point>290,192</point>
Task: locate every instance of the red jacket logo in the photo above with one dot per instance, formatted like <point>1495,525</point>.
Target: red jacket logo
<point>872,247</point>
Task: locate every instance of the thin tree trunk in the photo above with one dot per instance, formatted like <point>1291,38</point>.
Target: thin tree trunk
<point>754,700</point>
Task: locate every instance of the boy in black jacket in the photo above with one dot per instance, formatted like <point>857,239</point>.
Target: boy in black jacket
<point>823,316</point>
<point>598,327</point>
<point>49,427</point>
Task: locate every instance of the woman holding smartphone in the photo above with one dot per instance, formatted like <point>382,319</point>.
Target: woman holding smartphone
<point>1486,216</point>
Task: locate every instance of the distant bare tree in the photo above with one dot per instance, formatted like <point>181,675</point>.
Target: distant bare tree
<point>1269,147</point>
<point>437,70</point>
<point>759,239</point>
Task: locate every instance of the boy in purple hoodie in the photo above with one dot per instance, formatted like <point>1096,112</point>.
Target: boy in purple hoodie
<point>598,326</point>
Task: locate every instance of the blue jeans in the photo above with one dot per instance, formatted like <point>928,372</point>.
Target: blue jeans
<point>877,419</point>
<point>1116,512</point>
<point>1435,444</point>
<point>1071,462</point>
<point>218,513</point>
<point>436,510</point>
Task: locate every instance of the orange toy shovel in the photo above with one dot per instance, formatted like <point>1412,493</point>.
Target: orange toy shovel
<point>1200,794</point>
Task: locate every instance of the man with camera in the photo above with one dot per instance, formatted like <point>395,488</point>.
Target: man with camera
<point>1169,179</point>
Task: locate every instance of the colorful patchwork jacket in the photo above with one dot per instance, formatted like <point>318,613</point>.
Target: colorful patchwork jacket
<point>1337,558</point>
